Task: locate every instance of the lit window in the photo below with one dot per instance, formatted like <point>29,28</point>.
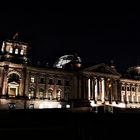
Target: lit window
<point>67,106</point>
<point>32,79</point>
<point>11,50</point>
<point>16,51</point>
<point>21,52</point>
<point>58,94</point>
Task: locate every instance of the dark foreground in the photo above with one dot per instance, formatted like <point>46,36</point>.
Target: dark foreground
<point>64,125</point>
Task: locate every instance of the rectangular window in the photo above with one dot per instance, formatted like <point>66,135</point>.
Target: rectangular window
<point>139,89</point>
<point>59,82</point>
<point>21,52</point>
<point>50,81</point>
<point>42,80</point>
<point>128,88</point>
<point>123,87</point>
<point>133,88</point>
<point>67,83</point>
<point>32,79</point>
<point>16,51</point>
<point>11,50</point>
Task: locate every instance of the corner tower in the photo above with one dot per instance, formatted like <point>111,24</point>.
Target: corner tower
<point>13,67</point>
<point>14,51</point>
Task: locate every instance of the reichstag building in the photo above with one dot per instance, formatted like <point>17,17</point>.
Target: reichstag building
<point>64,85</point>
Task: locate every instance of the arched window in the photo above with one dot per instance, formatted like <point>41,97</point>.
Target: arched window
<point>21,52</point>
<point>41,93</point>
<point>13,78</point>
<point>11,50</point>
<point>16,51</point>
<point>31,93</point>
<point>50,91</point>
<point>32,79</point>
<point>58,94</point>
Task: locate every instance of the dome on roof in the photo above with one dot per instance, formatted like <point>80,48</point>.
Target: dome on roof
<point>68,59</point>
<point>133,72</point>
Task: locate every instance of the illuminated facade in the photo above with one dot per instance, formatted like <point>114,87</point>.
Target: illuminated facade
<point>66,85</point>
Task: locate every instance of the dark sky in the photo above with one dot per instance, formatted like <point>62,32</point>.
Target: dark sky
<point>97,35</point>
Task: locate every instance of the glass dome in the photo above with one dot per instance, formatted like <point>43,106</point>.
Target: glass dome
<point>133,72</point>
<point>65,59</point>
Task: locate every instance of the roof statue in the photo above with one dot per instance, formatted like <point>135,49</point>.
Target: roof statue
<point>15,37</point>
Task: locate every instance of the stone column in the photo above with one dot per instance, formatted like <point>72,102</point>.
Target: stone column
<point>20,90</point>
<point>82,87</point>
<point>5,82</point>
<point>99,89</point>
<point>115,90</point>
<point>92,89</point>
<point>106,89</point>
<point>89,88</point>
<point>110,91</point>
<point>119,93</point>
<point>27,81</point>
<point>126,95</point>
<point>86,89</point>
<point>136,94</point>
<point>131,91</point>
<point>46,86</point>
<point>1,79</point>
<point>37,85</point>
<point>96,90</point>
<point>79,87</point>
<point>74,87</point>
<point>103,90</point>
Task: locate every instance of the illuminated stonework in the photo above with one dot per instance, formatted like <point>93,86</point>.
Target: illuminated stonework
<point>25,86</point>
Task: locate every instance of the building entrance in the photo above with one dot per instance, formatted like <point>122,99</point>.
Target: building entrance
<point>13,85</point>
<point>13,89</point>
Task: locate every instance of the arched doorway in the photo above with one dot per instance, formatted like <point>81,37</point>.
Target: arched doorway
<point>50,94</point>
<point>41,93</point>
<point>58,93</point>
<point>13,85</point>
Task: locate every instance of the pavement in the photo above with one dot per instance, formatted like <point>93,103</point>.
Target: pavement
<point>61,124</point>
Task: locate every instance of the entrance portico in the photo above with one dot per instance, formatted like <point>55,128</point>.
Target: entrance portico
<point>13,89</point>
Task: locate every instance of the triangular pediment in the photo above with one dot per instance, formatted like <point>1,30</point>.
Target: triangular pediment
<point>102,68</point>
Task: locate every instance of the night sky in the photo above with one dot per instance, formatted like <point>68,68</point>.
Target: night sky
<point>96,35</point>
